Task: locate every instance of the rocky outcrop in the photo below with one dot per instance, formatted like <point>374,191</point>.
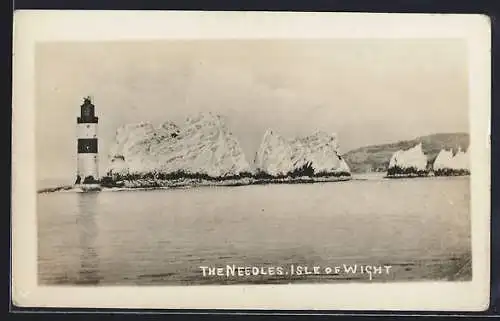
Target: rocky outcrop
<point>410,162</point>
<point>202,145</point>
<point>203,151</point>
<point>274,156</point>
<point>447,164</point>
<point>314,155</point>
<point>343,168</point>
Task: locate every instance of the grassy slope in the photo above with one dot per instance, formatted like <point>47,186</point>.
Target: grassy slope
<point>376,157</point>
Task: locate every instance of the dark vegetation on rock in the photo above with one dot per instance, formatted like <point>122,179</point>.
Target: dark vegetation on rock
<point>451,172</point>
<point>156,179</point>
<point>306,170</point>
<point>409,171</point>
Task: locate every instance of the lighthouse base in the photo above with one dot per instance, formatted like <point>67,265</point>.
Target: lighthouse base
<point>87,180</point>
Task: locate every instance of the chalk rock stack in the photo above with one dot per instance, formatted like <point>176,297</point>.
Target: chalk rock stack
<point>447,164</point>
<point>202,145</point>
<point>410,162</point>
<point>315,155</point>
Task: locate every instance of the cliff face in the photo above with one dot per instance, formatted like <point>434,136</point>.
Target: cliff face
<point>280,156</point>
<point>202,145</point>
<point>412,159</point>
<point>274,155</point>
<point>343,168</point>
<point>446,161</point>
<point>443,160</point>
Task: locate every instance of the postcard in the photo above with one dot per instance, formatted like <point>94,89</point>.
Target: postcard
<point>251,160</point>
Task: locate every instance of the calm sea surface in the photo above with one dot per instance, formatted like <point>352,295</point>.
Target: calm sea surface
<point>421,227</point>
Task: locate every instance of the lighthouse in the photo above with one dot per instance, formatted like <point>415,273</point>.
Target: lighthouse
<point>87,164</point>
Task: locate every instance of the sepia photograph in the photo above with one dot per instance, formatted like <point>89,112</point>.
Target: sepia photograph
<point>224,163</point>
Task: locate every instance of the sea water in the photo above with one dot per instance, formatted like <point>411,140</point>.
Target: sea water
<point>419,227</point>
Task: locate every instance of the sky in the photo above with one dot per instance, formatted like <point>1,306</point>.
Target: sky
<point>366,91</point>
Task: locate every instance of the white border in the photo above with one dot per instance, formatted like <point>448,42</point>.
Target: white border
<point>36,26</point>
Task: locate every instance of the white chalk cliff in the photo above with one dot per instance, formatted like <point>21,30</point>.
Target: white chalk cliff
<point>279,156</point>
<point>446,160</point>
<point>202,145</point>
<point>411,158</point>
<point>343,168</point>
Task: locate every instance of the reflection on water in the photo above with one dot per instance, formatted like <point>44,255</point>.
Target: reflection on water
<point>419,226</point>
<point>87,233</point>
<point>69,252</point>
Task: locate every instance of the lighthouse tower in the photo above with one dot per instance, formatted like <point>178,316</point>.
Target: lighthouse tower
<point>87,167</point>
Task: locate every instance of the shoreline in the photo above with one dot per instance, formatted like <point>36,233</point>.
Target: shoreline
<point>153,184</point>
<point>422,176</point>
<point>183,183</point>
